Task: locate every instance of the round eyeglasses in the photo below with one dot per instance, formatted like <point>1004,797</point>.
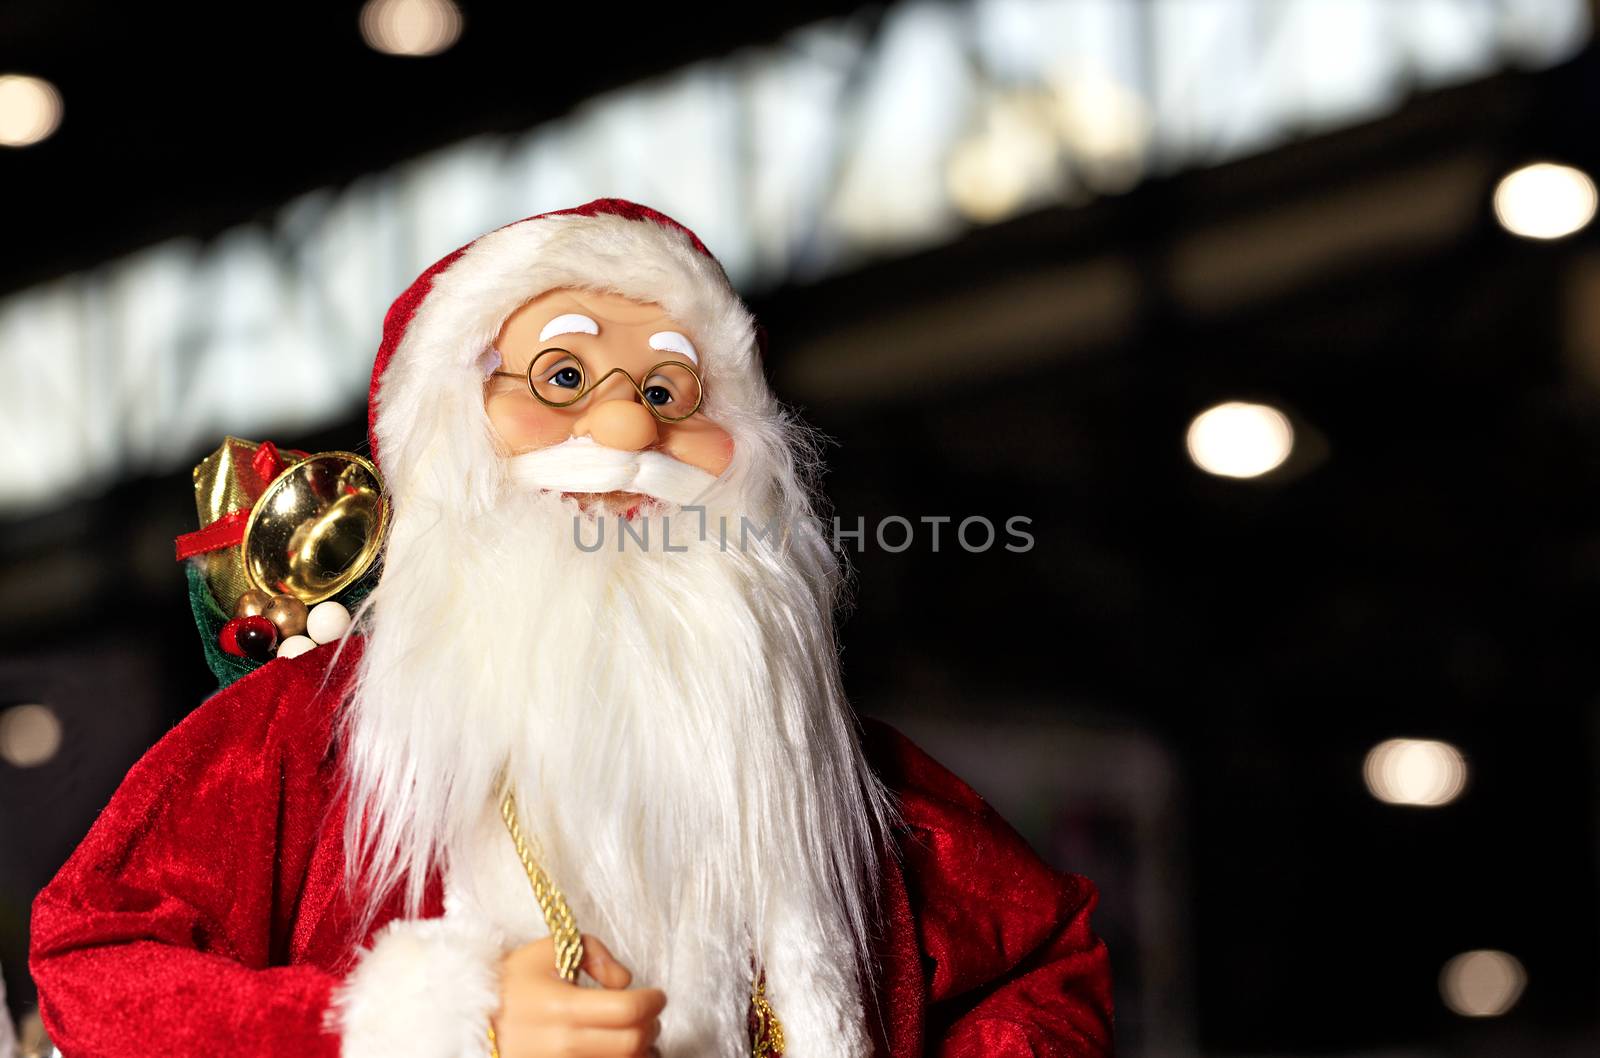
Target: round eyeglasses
<point>671,390</point>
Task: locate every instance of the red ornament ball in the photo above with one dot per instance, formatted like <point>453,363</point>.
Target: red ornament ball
<point>257,637</point>
<point>228,638</point>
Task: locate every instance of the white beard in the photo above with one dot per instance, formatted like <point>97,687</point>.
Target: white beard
<point>672,723</point>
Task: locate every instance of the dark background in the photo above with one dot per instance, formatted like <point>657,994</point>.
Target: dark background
<point>1427,565</point>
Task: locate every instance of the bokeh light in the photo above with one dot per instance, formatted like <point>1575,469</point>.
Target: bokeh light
<point>1545,201</point>
<point>410,27</point>
<point>1240,440</point>
<point>1106,124</point>
<point>29,735</point>
<point>1012,161</point>
<point>1414,771</point>
<point>1482,984</point>
<point>30,110</point>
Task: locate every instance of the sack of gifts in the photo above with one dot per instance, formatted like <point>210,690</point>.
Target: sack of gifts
<point>287,546</point>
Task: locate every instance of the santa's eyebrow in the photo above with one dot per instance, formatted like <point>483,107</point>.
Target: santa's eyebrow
<point>673,342</point>
<point>569,323</point>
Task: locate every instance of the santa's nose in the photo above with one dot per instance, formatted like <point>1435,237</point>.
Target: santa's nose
<point>623,424</point>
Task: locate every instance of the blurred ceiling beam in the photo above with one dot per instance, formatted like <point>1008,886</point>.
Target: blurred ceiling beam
<point>189,118</point>
<point>1042,314</point>
<point>1062,309</point>
<point>1075,280</point>
<point>1224,265</point>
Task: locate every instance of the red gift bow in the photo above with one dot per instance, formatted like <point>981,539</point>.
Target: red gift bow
<point>228,531</point>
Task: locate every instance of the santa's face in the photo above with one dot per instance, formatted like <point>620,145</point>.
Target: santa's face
<point>579,338</point>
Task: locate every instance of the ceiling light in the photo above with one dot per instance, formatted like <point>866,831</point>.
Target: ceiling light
<point>29,735</point>
<point>1415,771</point>
<point>1240,440</point>
<point>1482,984</point>
<point>410,27</point>
<point>1545,201</point>
<point>30,110</point>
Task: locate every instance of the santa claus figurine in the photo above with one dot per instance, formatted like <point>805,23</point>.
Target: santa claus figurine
<point>554,797</point>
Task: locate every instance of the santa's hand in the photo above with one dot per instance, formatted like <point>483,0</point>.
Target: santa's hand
<point>542,1016</point>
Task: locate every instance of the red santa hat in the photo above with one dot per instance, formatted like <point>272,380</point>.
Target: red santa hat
<point>436,333</point>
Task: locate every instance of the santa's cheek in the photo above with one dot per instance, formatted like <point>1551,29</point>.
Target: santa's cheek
<point>524,424</point>
<point>708,447</point>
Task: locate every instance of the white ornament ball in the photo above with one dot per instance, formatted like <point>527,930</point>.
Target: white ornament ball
<point>294,646</point>
<point>327,621</point>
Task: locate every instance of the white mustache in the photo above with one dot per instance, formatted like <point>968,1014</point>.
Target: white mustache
<point>581,465</point>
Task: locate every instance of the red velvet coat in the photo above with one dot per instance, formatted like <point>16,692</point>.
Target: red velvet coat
<point>204,913</point>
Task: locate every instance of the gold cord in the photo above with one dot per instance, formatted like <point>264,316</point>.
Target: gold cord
<point>769,1030</point>
<point>557,915</point>
<point>768,1042</point>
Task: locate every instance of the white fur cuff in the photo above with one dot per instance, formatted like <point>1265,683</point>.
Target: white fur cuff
<point>425,989</point>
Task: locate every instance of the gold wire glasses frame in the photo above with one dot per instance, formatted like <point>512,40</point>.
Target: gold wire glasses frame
<point>558,379</point>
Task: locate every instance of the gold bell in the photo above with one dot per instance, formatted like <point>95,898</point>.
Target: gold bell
<point>316,528</point>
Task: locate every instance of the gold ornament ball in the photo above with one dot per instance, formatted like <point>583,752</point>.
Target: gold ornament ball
<point>251,603</point>
<point>288,613</point>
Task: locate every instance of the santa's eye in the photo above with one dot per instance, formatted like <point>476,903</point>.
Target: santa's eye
<point>672,391</point>
<point>566,378</point>
<point>557,377</point>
